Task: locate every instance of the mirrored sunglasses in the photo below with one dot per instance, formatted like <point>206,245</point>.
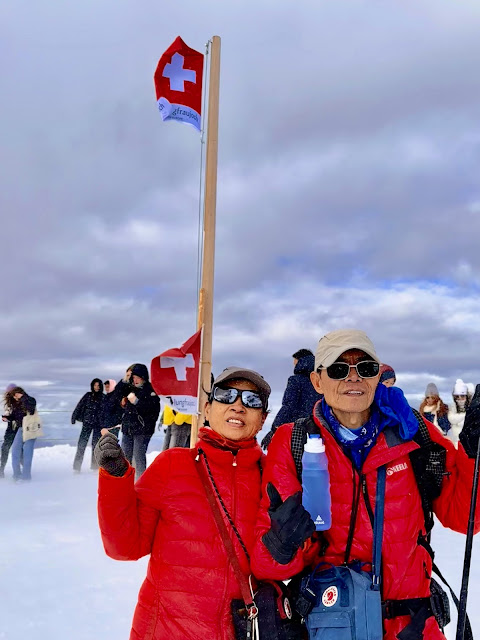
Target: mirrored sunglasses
<point>341,370</point>
<point>250,399</point>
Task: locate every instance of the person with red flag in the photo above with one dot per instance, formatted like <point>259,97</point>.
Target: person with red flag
<point>190,582</point>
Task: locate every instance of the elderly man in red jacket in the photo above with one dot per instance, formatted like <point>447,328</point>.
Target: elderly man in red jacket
<point>364,426</point>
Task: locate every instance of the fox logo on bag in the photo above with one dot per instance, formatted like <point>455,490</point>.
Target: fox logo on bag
<point>330,596</point>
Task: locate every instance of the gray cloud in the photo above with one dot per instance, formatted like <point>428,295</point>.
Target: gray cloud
<point>348,187</point>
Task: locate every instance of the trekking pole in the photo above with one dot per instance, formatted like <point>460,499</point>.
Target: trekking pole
<point>462,607</point>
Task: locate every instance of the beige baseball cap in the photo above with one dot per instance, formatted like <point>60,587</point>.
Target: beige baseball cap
<point>240,373</point>
<point>333,344</point>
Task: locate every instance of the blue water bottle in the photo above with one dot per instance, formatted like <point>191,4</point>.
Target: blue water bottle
<point>316,483</point>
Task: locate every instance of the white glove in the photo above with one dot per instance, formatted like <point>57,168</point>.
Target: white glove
<point>132,398</point>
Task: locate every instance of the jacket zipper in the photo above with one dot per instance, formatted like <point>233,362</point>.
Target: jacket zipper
<point>363,480</point>
<point>353,517</point>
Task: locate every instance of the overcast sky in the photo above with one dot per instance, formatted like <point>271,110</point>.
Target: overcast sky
<point>348,187</point>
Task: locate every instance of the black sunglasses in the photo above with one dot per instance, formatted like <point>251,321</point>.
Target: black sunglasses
<point>229,395</point>
<point>341,370</point>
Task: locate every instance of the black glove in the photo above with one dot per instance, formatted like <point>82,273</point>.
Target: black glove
<point>73,420</point>
<point>109,455</point>
<point>291,525</point>
<point>470,434</point>
<point>265,443</point>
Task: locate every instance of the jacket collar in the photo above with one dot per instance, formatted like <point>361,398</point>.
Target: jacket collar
<point>223,457</point>
<point>387,448</point>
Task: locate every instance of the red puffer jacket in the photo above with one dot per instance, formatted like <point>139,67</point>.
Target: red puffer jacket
<point>406,565</point>
<point>190,582</point>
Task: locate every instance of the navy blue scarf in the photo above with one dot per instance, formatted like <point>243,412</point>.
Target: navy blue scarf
<point>389,409</point>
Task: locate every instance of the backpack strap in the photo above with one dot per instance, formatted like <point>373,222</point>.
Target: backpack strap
<point>301,428</point>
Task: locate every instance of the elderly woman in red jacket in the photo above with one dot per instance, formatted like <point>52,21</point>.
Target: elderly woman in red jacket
<point>364,426</point>
<point>190,582</point>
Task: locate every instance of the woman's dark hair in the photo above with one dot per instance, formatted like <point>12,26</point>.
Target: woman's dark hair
<point>301,353</point>
<point>9,399</point>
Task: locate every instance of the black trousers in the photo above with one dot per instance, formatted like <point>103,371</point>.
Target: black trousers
<point>8,439</point>
<point>82,445</point>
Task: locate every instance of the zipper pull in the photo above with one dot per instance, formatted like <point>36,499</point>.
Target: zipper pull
<point>234,460</point>
<point>364,484</point>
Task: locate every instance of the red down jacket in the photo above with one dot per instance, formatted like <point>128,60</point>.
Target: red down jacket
<point>406,565</point>
<point>190,582</point>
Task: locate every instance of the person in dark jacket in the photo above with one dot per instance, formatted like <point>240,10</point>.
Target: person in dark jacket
<point>112,412</point>
<point>18,403</point>
<point>141,408</point>
<point>8,437</point>
<point>299,397</point>
<point>88,411</point>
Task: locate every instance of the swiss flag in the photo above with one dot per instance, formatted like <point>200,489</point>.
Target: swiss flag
<point>178,84</point>
<point>174,375</point>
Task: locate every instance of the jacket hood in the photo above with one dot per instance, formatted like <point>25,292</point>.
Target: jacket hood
<point>305,365</point>
<point>141,371</point>
<point>93,383</point>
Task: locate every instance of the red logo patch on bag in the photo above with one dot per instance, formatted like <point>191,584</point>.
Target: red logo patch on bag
<point>287,608</point>
<point>330,596</point>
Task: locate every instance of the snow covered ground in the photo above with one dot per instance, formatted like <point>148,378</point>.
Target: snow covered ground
<point>56,583</point>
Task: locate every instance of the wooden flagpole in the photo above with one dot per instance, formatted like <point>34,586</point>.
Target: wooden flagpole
<point>205,311</point>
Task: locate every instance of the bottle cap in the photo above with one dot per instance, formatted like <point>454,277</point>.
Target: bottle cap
<point>314,444</point>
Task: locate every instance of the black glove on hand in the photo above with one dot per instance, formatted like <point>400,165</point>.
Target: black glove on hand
<point>109,455</point>
<point>265,443</point>
<point>291,525</point>
<point>470,434</point>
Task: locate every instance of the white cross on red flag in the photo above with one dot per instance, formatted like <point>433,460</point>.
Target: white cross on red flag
<point>178,84</point>
<point>174,375</point>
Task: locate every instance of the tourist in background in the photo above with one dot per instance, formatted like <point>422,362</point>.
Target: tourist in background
<point>457,410</point>
<point>9,435</point>
<point>299,396</point>
<point>141,407</point>
<point>387,375</point>
<point>88,411</point>
<point>434,409</point>
<point>112,412</point>
<point>18,404</point>
<point>178,428</point>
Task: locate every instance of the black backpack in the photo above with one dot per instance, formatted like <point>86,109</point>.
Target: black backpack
<point>428,464</point>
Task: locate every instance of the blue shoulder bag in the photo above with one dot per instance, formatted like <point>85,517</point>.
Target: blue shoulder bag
<point>345,602</point>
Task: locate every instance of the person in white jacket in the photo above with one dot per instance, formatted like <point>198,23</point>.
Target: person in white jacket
<point>456,410</point>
